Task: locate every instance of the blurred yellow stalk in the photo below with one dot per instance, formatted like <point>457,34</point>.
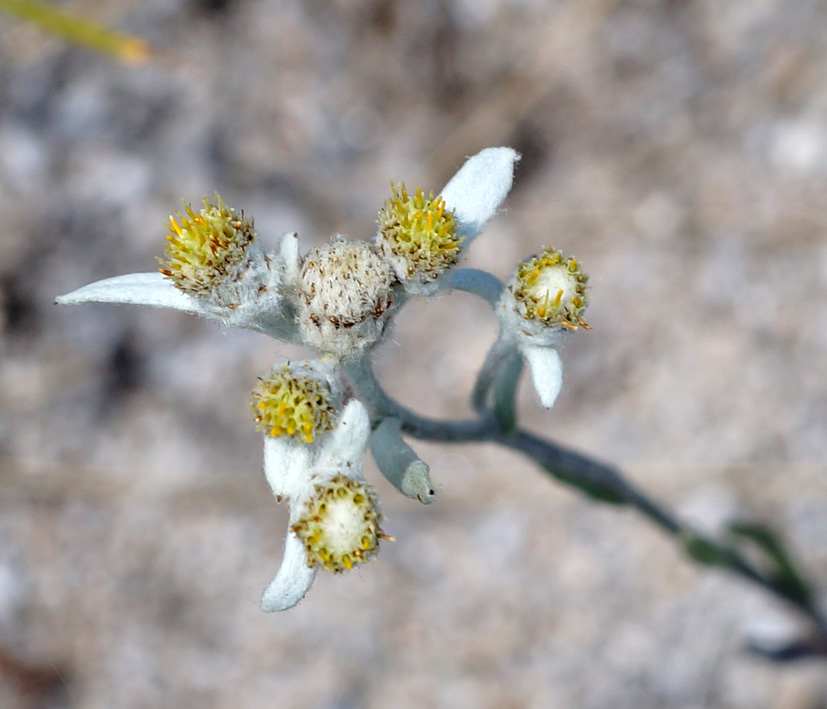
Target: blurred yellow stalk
<point>79,30</point>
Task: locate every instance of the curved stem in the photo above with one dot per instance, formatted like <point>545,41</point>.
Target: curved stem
<point>494,360</point>
<point>598,480</point>
<point>477,282</point>
<point>381,405</point>
<point>574,467</point>
<point>489,288</point>
<point>583,471</point>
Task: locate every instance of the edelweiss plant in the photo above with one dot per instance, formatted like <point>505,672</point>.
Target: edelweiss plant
<point>318,416</point>
<point>338,299</point>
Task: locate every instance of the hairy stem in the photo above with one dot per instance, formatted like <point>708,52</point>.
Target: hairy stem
<point>478,282</point>
<point>361,378</point>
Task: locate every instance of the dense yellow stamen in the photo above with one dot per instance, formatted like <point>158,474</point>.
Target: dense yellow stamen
<point>420,232</point>
<point>204,249</point>
<point>293,404</point>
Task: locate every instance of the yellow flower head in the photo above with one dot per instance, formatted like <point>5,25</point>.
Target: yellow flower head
<point>418,234</point>
<point>206,249</point>
<point>292,403</point>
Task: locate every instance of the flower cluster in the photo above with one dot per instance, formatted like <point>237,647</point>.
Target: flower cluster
<point>340,300</point>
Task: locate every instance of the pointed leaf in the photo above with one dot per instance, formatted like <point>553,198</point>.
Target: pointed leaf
<point>151,289</point>
<point>785,571</point>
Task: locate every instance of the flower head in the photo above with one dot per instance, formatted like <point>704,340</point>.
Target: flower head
<point>418,235</point>
<point>544,298</point>
<point>209,252</point>
<point>293,403</point>
<point>345,295</point>
<point>423,237</point>
<point>213,266</point>
<point>339,524</point>
<point>214,257</point>
<point>548,294</point>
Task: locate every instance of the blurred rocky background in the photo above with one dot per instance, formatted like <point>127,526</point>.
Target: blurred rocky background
<point>677,147</point>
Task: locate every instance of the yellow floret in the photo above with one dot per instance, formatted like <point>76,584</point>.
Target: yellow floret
<point>292,404</point>
<point>419,230</point>
<point>205,248</point>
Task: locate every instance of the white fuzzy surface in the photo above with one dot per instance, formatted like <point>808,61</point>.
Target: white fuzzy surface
<point>478,189</point>
<point>151,289</point>
<point>677,149</point>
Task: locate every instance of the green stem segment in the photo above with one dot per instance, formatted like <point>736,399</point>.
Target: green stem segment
<point>494,361</point>
<point>597,480</point>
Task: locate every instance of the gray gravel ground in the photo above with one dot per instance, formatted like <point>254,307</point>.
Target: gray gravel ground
<point>677,147</point>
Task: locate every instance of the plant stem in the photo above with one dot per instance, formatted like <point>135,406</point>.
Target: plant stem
<point>478,282</point>
<point>494,360</point>
<point>571,466</point>
<point>368,389</point>
<point>599,480</point>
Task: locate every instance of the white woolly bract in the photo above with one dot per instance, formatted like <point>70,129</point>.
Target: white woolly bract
<point>345,444</point>
<point>478,189</point>
<point>546,369</point>
<point>288,252</point>
<point>151,289</point>
<point>293,471</point>
<point>293,467</point>
<point>293,579</point>
<point>286,465</point>
<point>260,305</point>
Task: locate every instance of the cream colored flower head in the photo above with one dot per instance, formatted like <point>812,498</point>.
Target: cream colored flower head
<point>339,523</point>
<point>546,296</point>
<point>345,296</point>
<point>544,299</point>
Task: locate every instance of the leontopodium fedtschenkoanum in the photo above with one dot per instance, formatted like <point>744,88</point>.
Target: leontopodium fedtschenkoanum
<point>318,416</point>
